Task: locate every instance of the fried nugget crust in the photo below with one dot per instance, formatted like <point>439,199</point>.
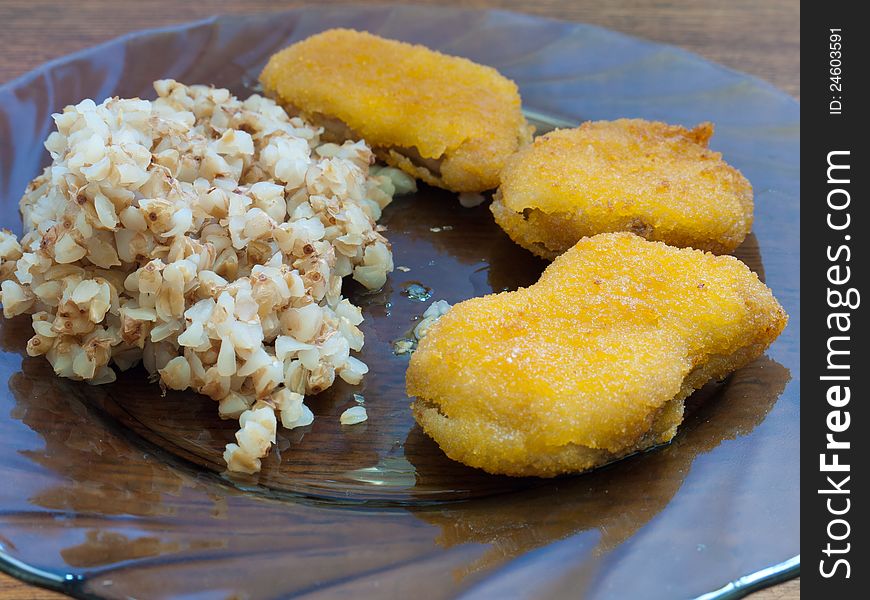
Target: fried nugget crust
<point>444,119</point>
<point>591,363</point>
<point>658,181</point>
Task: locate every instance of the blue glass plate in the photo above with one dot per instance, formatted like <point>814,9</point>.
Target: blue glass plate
<point>114,491</point>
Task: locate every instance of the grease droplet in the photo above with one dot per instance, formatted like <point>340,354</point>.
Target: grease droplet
<point>416,291</point>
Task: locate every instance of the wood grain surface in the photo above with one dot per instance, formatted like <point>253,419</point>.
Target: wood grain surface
<point>758,37</point>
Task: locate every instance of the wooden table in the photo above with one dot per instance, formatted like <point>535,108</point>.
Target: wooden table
<point>761,37</point>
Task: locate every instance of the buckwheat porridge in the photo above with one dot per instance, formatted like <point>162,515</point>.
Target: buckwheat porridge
<point>206,237</point>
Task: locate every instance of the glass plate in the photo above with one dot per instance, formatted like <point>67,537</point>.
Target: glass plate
<point>113,491</point>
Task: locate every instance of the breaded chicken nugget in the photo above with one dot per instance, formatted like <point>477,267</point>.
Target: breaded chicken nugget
<point>443,119</point>
<point>591,363</point>
<point>656,180</point>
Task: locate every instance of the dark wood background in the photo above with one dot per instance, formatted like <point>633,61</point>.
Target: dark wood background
<point>761,37</point>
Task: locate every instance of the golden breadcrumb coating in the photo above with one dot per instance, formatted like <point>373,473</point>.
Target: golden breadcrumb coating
<point>443,119</point>
<point>592,362</point>
<point>658,181</point>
